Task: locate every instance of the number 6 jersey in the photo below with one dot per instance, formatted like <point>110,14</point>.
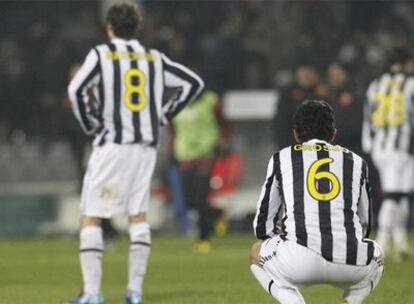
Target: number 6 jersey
<point>317,195</point>
<point>388,115</point>
<point>128,83</point>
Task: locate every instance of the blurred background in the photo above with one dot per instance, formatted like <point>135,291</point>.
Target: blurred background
<point>259,58</point>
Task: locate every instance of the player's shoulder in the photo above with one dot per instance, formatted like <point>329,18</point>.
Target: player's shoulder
<point>101,47</point>
<point>379,78</point>
<point>352,155</point>
<point>374,83</point>
<point>277,153</point>
<point>151,54</point>
<point>282,151</point>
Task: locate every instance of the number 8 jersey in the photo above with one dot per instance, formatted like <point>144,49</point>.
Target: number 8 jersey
<point>317,195</point>
<point>388,115</point>
<point>128,82</point>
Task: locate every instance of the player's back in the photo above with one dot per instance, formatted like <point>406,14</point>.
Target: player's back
<point>323,187</point>
<point>130,91</point>
<point>128,81</point>
<point>388,117</point>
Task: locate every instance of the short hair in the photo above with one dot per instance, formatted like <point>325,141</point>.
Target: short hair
<point>314,119</point>
<point>399,55</point>
<point>125,19</point>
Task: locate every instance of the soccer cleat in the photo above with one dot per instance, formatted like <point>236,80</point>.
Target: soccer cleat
<point>202,247</point>
<point>132,297</point>
<point>84,298</point>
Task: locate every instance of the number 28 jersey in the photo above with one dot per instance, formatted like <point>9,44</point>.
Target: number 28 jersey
<point>317,194</point>
<point>128,81</point>
<point>388,115</point>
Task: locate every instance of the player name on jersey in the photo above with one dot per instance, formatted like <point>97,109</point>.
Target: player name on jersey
<point>317,147</point>
<point>129,55</point>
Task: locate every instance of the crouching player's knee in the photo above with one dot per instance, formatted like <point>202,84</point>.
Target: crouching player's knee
<point>255,253</point>
<point>357,293</point>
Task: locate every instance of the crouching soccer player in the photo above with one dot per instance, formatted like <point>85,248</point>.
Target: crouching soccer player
<point>313,216</point>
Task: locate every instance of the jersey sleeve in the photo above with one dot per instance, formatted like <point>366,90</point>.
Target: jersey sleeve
<point>87,77</point>
<point>188,83</point>
<point>268,206</point>
<point>364,203</point>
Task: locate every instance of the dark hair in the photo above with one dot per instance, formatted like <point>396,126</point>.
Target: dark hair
<point>314,119</point>
<point>399,56</point>
<point>125,19</point>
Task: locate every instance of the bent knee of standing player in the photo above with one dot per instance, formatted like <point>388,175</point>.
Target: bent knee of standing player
<point>255,253</point>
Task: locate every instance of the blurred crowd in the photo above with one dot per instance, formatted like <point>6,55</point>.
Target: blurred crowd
<point>40,40</point>
<point>336,88</point>
<point>303,48</point>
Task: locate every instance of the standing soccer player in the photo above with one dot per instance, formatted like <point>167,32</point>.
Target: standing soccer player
<point>313,216</point>
<point>128,81</point>
<point>388,137</point>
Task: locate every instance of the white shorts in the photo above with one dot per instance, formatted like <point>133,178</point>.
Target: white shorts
<point>293,266</point>
<point>396,171</point>
<point>117,180</point>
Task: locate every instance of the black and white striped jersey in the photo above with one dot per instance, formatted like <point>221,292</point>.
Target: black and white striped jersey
<point>128,82</point>
<point>389,114</point>
<point>319,194</point>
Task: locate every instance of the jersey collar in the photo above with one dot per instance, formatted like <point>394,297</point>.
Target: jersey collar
<point>315,140</point>
<point>124,41</point>
<point>118,40</point>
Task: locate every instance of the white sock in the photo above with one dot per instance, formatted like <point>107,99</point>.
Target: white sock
<point>283,295</point>
<point>140,237</point>
<point>91,251</point>
<point>399,231</point>
<point>386,220</point>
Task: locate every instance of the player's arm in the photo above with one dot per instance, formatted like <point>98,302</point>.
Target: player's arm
<point>367,127</point>
<point>268,206</point>
<point>364,203</point>
<point>86,78</point>
<point>188,83</point>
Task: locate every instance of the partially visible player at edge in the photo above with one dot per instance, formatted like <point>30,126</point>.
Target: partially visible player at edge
<point>388,137</point>
<point>313,215</point>
<point>128,81</point>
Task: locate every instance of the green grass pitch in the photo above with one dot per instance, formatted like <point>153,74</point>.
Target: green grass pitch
<point>47,271</point>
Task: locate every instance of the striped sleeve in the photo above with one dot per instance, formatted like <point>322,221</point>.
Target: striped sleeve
<point>269,203</point>
<point>364,202</point>
<point>85,78</point>
<point>188,83</point>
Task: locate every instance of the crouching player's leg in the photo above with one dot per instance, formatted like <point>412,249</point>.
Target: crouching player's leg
<point>357,293</point>
<point>284,294</point>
